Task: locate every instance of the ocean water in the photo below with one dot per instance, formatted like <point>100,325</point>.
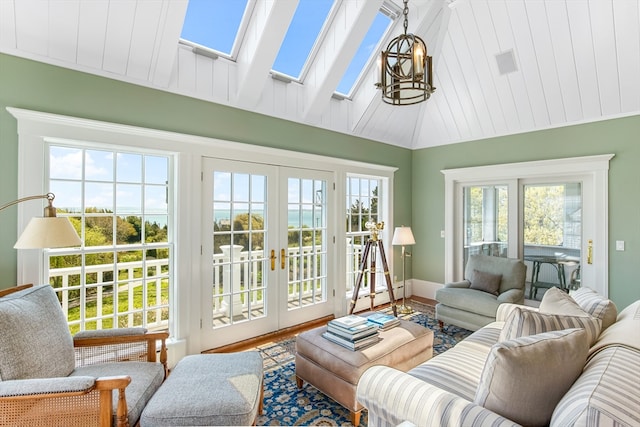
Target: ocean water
<point>293,217</point>
<point>223,217</point>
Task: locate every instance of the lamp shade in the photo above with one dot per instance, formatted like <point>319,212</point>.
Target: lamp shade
<point>403,236</point>
<point>48,232</point>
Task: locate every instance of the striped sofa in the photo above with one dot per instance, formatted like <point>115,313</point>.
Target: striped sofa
<point>444,390</point>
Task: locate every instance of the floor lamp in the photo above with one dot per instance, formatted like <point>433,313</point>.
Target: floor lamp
<point>402,236</point>
<point>48,231</point>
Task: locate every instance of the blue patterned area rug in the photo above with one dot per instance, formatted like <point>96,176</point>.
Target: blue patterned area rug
<point>286,405</point>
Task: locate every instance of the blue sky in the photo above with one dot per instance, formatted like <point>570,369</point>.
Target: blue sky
<point>303,31</point>
<point>215,24</point>
<point>127,174</point>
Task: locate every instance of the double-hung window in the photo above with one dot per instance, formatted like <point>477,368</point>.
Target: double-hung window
<point>366,204</point>
<point>118,202</point>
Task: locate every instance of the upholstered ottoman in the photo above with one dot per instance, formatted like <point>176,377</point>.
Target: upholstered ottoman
<point>209,390</point>
<point>335,370</point>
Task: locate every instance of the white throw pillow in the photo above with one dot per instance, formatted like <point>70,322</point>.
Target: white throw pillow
<point>555,301</point>
<point>524,379</point>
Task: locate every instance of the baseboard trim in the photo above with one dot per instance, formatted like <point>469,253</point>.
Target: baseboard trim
<point>424,288</point>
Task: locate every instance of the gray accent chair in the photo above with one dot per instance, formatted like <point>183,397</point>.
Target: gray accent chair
<point>48,377</point>
<point>460,305</point>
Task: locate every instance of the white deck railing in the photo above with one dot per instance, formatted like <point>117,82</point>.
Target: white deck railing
<point>150,315</point>
<point>104,295</point>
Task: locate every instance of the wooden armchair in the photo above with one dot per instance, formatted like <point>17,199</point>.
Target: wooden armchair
<point>48,378</point>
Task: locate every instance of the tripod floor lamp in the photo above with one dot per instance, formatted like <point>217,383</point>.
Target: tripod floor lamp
<point>402,236</point>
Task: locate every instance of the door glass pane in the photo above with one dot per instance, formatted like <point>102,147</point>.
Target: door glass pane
<point>552,236</point>
<point>238,213</point>
<point>486,220</point>
<point>307,242</point>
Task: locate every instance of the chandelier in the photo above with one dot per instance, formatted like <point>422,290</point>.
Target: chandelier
<point>406,70</point>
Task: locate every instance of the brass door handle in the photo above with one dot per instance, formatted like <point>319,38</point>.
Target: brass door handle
<point>273,259</point>
<point>590,252</point>
<point>283,257</point>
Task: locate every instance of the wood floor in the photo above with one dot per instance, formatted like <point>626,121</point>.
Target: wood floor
<point>293,331</point>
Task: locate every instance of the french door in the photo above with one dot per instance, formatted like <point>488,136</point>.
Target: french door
<point>548,233</point>
<point>266,249</point>
<point>552,214</point>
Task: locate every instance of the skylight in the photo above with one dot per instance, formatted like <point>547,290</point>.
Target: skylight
<point>218,25</point>
<point>365,52</point>
<point>305,27</point>
<point>214,23</point>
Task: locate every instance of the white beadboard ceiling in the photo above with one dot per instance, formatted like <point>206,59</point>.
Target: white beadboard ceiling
<point>576,61</point>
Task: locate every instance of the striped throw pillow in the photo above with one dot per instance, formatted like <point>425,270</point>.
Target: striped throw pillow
<point>526,322</point>
<point>596,305</point>
<point>524,379</point>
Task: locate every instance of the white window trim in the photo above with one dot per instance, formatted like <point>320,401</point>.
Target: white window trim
<point>595,166</point>
<point>385,205</point>
<point>35,127</point>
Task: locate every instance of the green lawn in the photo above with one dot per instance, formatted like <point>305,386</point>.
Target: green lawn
<point>123,311</point>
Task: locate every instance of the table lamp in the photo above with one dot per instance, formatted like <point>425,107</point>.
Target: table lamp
<point>402,236</point>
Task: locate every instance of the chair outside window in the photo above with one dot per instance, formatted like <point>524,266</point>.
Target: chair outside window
<point>574,281</point>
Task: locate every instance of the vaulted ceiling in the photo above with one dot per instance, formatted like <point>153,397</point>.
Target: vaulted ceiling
<point>566,61</point>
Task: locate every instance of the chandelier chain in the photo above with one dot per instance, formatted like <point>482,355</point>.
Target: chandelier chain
<point>406,16</point>
<point>406,75</point>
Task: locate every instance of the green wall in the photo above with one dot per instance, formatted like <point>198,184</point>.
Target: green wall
<point>618,136</point>
<point>36,86</point>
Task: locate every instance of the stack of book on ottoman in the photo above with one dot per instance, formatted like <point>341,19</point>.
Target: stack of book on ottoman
<point>352,331</point>
<point>383,321</point>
